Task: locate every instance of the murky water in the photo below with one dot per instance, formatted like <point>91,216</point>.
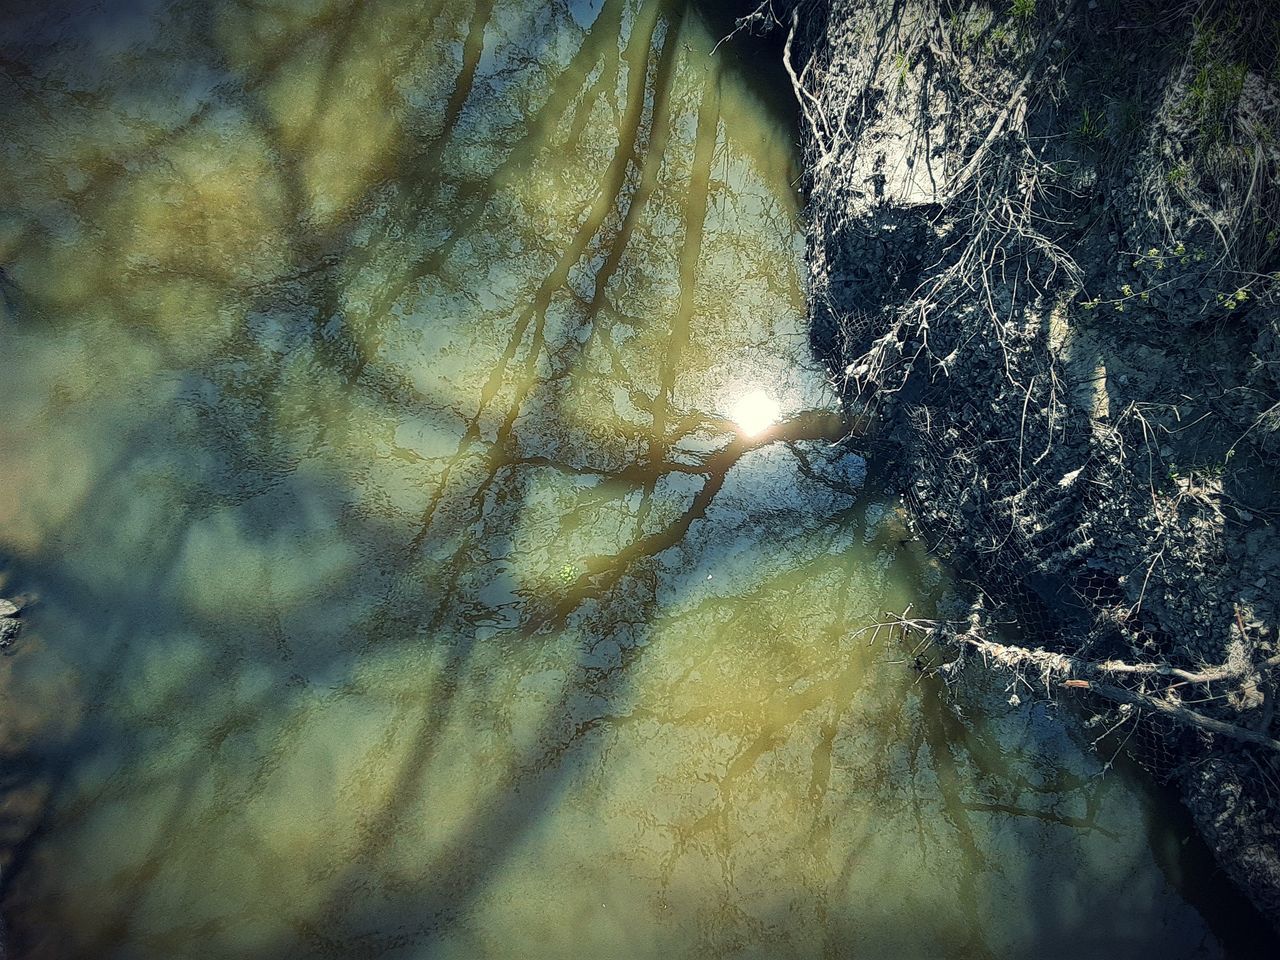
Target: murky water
<point>411,582</point>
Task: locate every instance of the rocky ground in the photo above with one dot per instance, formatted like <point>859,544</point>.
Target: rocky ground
<point>10,625</point>
<point>18,802</point>
<point>1044,256</point>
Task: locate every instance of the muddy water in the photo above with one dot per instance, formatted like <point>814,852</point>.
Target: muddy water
<point>442,542</point>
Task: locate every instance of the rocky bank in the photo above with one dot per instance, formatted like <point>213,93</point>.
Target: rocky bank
<point>1044,257</point>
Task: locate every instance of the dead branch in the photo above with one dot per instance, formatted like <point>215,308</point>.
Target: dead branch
<point>810,106</point>
<point>1066,671</point>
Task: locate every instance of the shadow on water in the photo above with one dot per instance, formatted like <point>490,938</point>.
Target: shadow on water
<point>407,589</point>
<point>145,602</point>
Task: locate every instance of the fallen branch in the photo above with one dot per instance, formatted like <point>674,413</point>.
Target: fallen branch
<point>1182,715</point>
<point>1070,672</point>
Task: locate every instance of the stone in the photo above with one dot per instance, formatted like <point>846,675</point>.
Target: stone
<point>8,608</point>
<point>9,629</point>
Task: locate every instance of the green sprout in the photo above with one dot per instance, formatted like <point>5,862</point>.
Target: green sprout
<point>1091,127</point>
<point>901,64</point>
<point>1153,255</point>
<point>1230,301</point>
<point>1178,174</point>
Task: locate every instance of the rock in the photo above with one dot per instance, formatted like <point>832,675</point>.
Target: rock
<point>9,629</point>
<point>1239,828</point>
<point>8,608</point>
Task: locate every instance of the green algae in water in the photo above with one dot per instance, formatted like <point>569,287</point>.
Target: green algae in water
<point>408,589</point>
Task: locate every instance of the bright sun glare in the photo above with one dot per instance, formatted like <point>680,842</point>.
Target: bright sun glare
<point>755,411</point>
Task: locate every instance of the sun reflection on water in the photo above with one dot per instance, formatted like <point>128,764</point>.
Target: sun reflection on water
<point>755,412</point>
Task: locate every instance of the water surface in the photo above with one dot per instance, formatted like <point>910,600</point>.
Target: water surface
<point>408,585</point>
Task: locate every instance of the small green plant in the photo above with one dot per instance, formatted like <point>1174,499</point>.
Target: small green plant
<point>1230,301</point>
<point>1024,9</point>
<point>1215,90</point>
<point>1091,127</point>
<point>1159,259</point>
<point>901,65</point>
<point>1118,304</point>
<point>568,574</point>
<point>1212,97</point>
<point>1153,256</point>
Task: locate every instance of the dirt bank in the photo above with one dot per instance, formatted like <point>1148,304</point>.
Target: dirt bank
<point>1044,254</point>
<point>18,801</point>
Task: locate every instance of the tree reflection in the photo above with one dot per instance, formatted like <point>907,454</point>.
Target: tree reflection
<point>370,448</point>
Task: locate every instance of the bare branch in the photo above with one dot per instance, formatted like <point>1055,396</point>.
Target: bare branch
<point>1068,672</point>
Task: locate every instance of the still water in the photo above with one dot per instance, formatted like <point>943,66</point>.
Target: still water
<point>442,541</point>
